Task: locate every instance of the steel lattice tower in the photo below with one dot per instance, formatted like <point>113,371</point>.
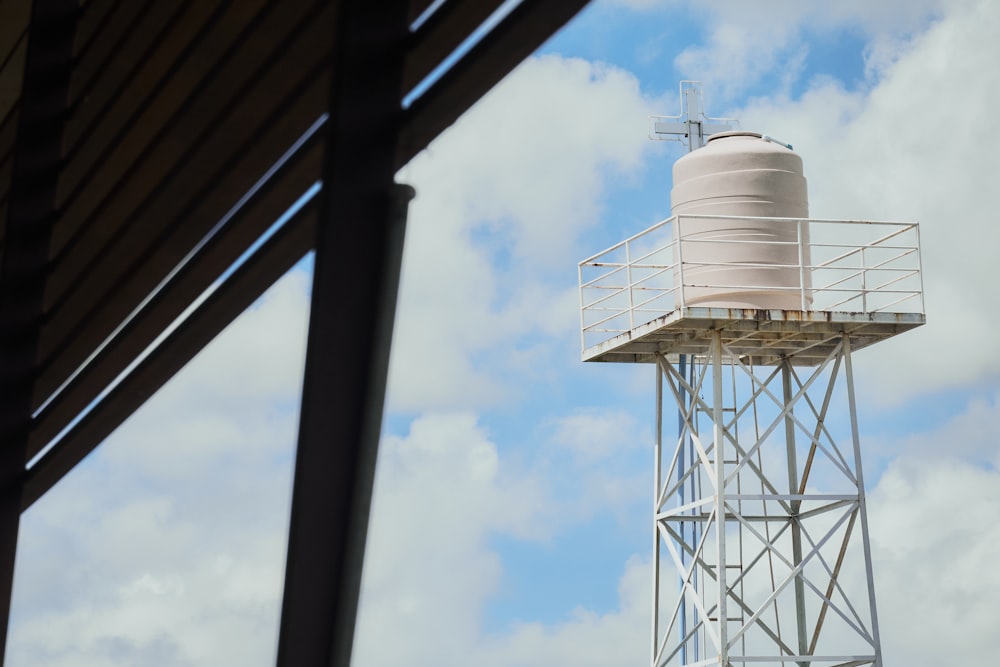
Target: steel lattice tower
<point>762,552</point>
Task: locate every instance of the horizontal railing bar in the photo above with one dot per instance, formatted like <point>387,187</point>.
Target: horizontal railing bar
<point>668,246</point>
<point>621,244</point>
<point>882,286</point>
<point>857,274</point>
<point>636,308</point>
<point>650,293</point>
<point>590,326</point>
<point>858,295</point>
<point>817,244</point>
<point>604,275</point>
<point>609,296</point>
<point>901,299</point>
<point>834,221</point>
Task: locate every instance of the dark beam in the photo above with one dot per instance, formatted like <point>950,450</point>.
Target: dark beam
<point>358,251</point>
<point>31,214</point>
<point>440,35</point>
<point>515,38</point>
<point>271,261</point>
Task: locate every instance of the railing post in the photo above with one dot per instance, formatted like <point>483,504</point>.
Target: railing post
<point>628,282</point>
<point>864,281</point>
<point>920,272</point>
<point>680,261</point>
<point>802,268</point>
<point>583,321</point>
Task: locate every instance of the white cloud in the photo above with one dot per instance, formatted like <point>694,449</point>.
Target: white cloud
<point>871,17</point>
<point>969,436</point>
<point>587,639</point>
<point>914,148</point>
<point>166,546</point>
<point>936,542</point>
<point>442,493</point>
<point>739,53</point>
<point>595,435</point>
<point>747,43</point>
<point>504,198</point>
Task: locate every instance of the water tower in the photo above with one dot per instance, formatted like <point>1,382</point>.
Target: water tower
<point>750,312</point>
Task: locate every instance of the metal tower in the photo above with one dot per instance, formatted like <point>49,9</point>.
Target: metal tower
<point>761,543</point>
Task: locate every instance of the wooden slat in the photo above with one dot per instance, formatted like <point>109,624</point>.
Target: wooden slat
<point>179,117</point>
<point>441,34</point>
<point>14,17</point>
<point>121,85</point>
<point>262,121</point>
<point>11,78</point>
<point>6,167</point>
<point>417,7</point>
<point>93,19</point>
<point>140,188</point>
<point>272,261</point>
<point>8,135</point>
<point>97,52</point>
<point>97,162</point>
<point>222,251</point>
<point>119,82</point>
<point>520,33</point>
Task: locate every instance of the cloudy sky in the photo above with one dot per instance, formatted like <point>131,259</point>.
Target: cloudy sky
<point>511,517</point>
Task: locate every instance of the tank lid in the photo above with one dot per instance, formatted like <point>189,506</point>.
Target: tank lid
<point>735,133</point>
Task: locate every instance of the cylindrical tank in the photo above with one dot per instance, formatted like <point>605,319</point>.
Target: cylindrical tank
<point>741,174</point>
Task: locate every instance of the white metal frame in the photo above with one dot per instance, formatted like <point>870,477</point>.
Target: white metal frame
<point>844,266</point>
<point>757,501</point>
<point>783,545</point>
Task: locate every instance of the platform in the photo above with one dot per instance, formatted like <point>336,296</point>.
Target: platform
<point>765,336</point>
<point>663,292</point>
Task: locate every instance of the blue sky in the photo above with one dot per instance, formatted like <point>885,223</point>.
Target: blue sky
<point>511,516</point>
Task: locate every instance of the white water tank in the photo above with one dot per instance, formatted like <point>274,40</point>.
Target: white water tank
<point>742,174</point>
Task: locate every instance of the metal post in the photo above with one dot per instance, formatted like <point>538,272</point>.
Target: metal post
<point>359,243</point>
<point>695,136</point>
<point>862,505</point>
<point>681,302</point>
<point>720,496</point>
<point>793,488</point>
<point>628,281</point>
<point>657,457</point>
<point>864,282</point>
<point>32,213</point>
<point>802,264</point>
<point>681,464</point>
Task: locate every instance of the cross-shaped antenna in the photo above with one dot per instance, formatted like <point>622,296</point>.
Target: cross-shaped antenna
<point>691,123</point>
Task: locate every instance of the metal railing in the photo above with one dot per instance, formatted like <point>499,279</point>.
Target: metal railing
<point>691,260</point>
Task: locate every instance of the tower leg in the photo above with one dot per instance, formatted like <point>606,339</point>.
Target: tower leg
<point>719,446</point>
<point>862,504</point>
<point>758,536</point>
<point>796,505</point>
<point>657,452</point>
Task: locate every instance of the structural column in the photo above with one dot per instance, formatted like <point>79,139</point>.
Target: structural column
<point>31,216</point>
<point>720,496</point>
<point>795,505</point>
<point>358,251</point>
<point>862,503</point>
